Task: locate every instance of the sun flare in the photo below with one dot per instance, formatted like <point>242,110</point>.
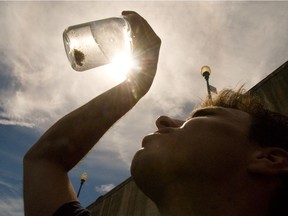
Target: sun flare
<point>120,65</point>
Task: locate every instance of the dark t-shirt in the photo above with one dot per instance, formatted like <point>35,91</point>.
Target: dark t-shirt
<point>72,209</point>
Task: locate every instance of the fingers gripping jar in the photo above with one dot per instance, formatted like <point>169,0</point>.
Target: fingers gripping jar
<point>96,43</point>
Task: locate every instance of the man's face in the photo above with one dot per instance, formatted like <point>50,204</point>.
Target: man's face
<point>211,145</point>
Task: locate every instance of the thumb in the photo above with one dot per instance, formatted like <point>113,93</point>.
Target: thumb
<point>128,12</point>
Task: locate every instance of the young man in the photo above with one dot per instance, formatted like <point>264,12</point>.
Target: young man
<point>227,159</point>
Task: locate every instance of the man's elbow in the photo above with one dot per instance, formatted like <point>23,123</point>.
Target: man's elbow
<point>38,152</point>
<point>57,152</point>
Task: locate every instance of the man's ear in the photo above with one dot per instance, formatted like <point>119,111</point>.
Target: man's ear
<point>269,161</point>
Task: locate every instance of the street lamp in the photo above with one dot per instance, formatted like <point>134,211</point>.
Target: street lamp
<point>83,178</point>
<point>206,71</point>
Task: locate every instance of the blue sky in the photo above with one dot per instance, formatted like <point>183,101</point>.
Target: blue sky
<point>242,42</point>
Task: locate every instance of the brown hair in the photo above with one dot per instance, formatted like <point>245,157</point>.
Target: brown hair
<point>267,128</point>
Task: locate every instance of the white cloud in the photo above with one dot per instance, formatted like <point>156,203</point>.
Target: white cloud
<point>104,188</point>
<point>11,206</point>
<point>15,122</point>
<point>7,185</point>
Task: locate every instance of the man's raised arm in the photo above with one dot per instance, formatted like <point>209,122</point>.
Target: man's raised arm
<point>46,164</point>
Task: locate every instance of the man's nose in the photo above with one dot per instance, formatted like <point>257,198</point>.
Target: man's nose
<point>165,121</point>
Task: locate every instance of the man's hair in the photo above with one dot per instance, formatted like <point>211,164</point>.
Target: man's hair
<point>267,129</point>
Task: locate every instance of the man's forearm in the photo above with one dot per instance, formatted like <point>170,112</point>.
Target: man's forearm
<point>73,136</point>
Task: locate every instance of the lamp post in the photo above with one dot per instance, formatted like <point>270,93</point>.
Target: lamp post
<point>83,178</point>
<point>206,71</point>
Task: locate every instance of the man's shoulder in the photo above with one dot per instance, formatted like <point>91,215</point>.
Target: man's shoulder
<point>73,208</point>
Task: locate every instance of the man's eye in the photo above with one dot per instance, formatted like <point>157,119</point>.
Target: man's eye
<point>203,112</point>
<point>199,113</point>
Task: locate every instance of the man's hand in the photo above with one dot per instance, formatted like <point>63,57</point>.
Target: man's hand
<point>146,46</point>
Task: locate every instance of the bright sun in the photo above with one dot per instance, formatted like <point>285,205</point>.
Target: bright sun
<point>121,65</point>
